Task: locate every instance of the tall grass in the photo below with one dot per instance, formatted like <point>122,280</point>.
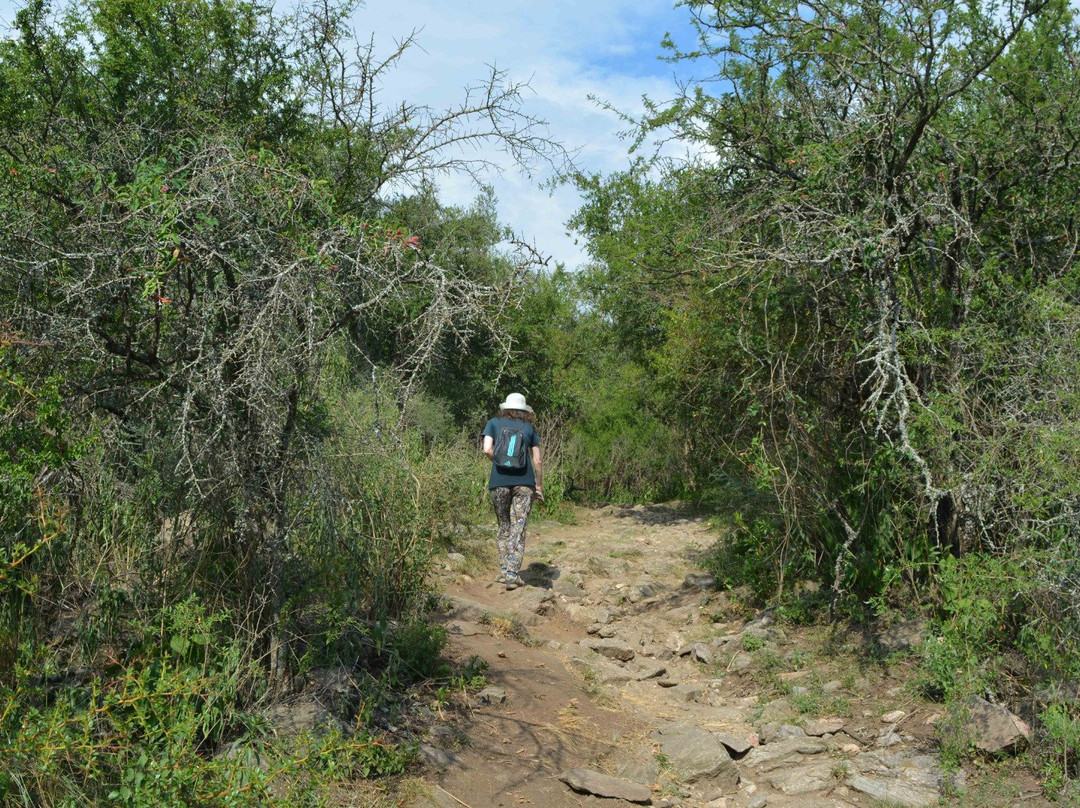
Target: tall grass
<point>133,674</point>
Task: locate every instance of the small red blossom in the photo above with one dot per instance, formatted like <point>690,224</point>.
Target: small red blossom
<point>160,299</point>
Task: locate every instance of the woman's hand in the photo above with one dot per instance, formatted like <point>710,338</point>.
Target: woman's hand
<point>539,493</point>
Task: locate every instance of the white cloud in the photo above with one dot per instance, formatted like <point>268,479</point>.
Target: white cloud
<point>567,50</point>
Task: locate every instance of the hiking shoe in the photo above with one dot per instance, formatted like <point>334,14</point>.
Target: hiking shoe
<point>513,581</point>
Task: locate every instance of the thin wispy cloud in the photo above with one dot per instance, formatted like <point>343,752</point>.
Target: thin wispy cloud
<point>571,54</point>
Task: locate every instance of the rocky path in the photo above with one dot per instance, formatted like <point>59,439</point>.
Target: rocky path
<point>619,676</point>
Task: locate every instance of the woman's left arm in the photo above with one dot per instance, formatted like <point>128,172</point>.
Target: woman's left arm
<point>538,471</point>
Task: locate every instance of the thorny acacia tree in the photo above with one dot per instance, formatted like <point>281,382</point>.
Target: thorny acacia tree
<point>862,287</point>
<point>190,222</point>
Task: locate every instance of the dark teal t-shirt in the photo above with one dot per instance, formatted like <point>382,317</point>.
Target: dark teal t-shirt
<point>505,477</point>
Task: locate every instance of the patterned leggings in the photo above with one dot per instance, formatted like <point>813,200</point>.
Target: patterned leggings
<point>512,506</point>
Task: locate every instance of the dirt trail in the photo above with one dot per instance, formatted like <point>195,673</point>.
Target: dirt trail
<point>619,658</point>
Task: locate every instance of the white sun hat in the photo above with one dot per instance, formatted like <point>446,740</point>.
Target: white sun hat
<point>515,401</point>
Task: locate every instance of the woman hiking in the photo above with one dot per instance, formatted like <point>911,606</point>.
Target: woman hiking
<point>511,443</point>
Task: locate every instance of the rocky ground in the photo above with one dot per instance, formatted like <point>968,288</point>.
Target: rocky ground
<point>620,676</point>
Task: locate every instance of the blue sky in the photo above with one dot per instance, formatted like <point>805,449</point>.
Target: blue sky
<point>566,50</point>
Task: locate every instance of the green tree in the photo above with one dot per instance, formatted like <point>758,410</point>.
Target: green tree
<point>188,243</point>
<point>882,196</point>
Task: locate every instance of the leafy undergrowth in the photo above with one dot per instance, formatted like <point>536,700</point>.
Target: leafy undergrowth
<point>177,724</point>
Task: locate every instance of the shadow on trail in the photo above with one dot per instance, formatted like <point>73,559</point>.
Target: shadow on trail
<point>669,513</point>
<point>540,575</point>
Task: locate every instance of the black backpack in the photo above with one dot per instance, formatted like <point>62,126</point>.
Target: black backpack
<point>510,449</point>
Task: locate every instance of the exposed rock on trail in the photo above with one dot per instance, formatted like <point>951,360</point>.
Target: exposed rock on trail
<point>622,675</point>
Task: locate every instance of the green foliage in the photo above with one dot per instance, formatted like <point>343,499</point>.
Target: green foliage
<point>1061,739</point>
<point>216,325</point>
<point>1004,628</point>
<point>753,642</point>
<point>756,556</point>
<point>999,622</point>
<point>858,311</point>
<point>167,725</point>
<point>132,735</point>
<point>605,435</point>
<point>845,305</point>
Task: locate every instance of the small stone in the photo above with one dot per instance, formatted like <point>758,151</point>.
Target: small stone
<point>735,744</point>
<point>995,728</point>
<point>580,613</point>
<point>790,731</point>
<point>699,580</point>
<point>612,649</point>
<point>894,791</point>
<point>491,695</point>
<point>699,652</point>
<point>803,779</point>
<point>785,753</point>
<point>824,726</point>
<point>438,758</point>
<point>674,642</point>
<point>696,754</point>
<point>688,692</point>
<point>831,687</point>
<point>769,731</point>
<point>741,661</point>
<point>893,717</point>
<point>604,785</point>
<point>651,672</point>
<point>779,711</point>
<point>763,620</point>
<point>888,738</point>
